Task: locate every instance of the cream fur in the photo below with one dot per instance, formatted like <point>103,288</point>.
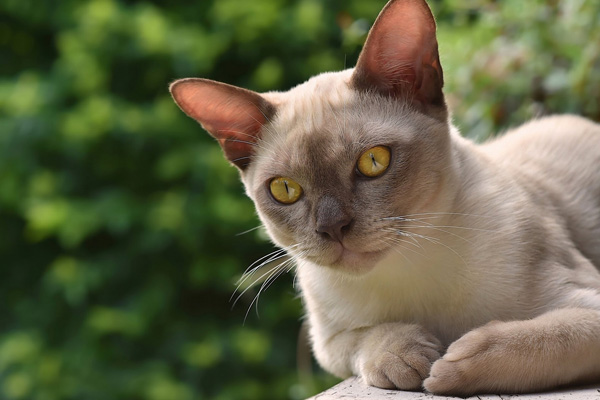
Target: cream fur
<point>517,204</point>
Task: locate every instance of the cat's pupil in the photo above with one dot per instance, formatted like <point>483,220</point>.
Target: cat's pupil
<point>373,159</point>
<point>287,189</point>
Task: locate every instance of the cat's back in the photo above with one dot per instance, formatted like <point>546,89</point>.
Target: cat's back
<point>561,149</point>
<point>564,135</point>
<point>557,158</point>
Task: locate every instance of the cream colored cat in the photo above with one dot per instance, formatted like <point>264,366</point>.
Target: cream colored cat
<point>423,259</point>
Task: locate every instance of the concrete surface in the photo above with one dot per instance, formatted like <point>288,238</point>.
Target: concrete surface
<point>354,388</point>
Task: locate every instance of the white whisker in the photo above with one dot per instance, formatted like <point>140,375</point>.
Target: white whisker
<point>438,242</point>
<point>273,274</point>
<point>249,230</point>
<point>394,247</point>
<point>398,242</point>
<point>257,265</point>
<point>437,228</point>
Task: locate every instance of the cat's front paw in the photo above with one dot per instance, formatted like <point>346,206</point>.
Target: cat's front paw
<point>396,356</point>
<point>478,362</point>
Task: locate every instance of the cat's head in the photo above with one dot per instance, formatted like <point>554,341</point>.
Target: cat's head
<point>332,162</point>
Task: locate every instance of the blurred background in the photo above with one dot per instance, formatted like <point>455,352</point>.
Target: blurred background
<point>119,218</point>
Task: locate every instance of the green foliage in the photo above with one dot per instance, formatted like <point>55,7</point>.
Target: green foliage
<point>118,215</point>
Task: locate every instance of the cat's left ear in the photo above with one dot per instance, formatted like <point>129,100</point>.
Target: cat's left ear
<point>400,57</point>
<point>232,115</point>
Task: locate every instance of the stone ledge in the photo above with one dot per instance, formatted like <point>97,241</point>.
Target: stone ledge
<point>354,388</point>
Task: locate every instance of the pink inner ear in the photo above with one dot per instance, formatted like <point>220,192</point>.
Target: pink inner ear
<point>400,55</point>
<point>234,116</point>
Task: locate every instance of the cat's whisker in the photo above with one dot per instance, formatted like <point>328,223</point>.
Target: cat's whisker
<point>260,260</point>
<point>395,246</point>
<point>434,241</point>
<point>269,274</point>
<point>430,239</point>
<point>437,228</point>
<point>466,228</point>
<point>399,242</point>
<point>284,267</point>
<point>250,272</point>
<point>417,242</point>
<point>276,272</point>
<point>413,243</point>
<point>422,221</point>
<point>265,275</point>
<point>257,265</point>
<point>442,214</point>
<point>250,230</point>
<point>250,275</point>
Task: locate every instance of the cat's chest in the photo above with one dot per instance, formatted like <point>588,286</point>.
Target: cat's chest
<point>435,297</point>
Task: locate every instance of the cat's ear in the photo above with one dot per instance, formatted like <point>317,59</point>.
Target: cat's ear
<point>234,116</point>
<point>400,57</point>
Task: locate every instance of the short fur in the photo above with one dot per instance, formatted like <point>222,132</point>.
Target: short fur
<point>485,254</point>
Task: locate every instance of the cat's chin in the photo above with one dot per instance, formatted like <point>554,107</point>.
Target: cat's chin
<point>355,262</point>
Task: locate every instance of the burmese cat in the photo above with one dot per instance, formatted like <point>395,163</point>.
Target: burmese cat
<point>423,259</point>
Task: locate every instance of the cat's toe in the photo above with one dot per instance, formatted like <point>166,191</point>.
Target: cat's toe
<point>467,366</point>
<point>446,378</point>
<point>399,367</point>
<point>391,371</point>
<point>397,356</point>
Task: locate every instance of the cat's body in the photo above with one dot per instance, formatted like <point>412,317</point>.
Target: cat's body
<point>419,251</point>
<point>532,208</point>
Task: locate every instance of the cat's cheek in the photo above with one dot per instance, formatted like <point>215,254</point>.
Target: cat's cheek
<point>281,237</point>
<point>280,221</point>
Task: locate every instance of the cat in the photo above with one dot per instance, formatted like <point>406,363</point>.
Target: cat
<point>423,260</point>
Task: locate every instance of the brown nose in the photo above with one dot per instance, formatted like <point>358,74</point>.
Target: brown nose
<point>335,231</point>
<point>333,222</point>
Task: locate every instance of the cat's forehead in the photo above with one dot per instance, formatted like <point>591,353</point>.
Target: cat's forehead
<point>307,106</point>
<point>328,99</point>
<point>324,123</point>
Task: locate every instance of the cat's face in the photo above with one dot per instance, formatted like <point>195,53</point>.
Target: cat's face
<point>332,163</point>
<point>344,218</point>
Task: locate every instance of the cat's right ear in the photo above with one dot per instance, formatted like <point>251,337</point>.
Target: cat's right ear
<point>234,116</point>
<point>400,56</point>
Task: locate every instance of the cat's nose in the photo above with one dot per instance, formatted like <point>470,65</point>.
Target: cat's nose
<point>336,230</point>
<point>332,219</point>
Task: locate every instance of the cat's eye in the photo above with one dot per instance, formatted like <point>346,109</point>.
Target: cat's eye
<point>285,190</point>
<point>374,161</point>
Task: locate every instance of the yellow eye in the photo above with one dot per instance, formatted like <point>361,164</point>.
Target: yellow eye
<point>374,161</point>
<point>285,190</point>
